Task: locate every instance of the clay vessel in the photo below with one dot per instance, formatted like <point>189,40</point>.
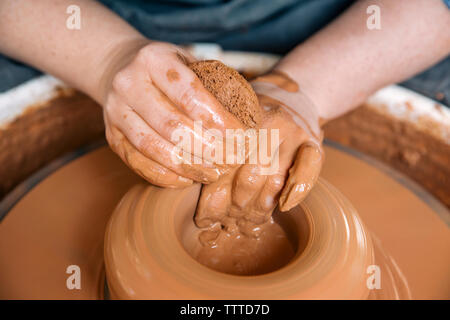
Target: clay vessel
<point>151,236</point>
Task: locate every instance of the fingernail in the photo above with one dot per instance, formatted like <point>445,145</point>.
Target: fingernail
<point>283,197</point>
<point>286,200</point>
<point>294,196</point>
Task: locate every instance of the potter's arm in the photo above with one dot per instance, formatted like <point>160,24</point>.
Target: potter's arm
<point>35,32</point>
<point>146,89</point>
<point>345,62</point>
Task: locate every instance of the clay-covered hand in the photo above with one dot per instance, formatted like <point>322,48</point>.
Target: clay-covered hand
<point>248,194</point>
<point>154,96</point>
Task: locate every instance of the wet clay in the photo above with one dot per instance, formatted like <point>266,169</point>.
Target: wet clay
<point>173,75</point>
<point>236,238</point>
<point>223,246</point>
<point>146,249</point>
<point>237,253</point>
<point>236,242</point>
<point>76,214</point>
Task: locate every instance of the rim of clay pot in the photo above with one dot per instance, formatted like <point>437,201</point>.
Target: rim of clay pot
<point>145,259</point>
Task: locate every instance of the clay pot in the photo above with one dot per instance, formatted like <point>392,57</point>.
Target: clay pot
<point>151,236</point>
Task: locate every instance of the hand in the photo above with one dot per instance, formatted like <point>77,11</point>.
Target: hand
<point>154,95</point>
<point>245,198</point>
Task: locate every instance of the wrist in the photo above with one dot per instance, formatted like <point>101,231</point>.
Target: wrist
<point>277,90</point>
<point>115,59</point>
<point>332,93</point>
<point>308,87</point>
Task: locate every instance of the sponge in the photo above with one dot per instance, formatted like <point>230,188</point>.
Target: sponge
<point>230,89</point>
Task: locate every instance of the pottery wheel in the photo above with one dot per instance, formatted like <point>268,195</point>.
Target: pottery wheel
<point>57,218</point>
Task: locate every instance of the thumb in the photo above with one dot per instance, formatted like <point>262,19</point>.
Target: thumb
<point>302,175</point>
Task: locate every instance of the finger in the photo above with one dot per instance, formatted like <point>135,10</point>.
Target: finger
<point>253,186</point>
<point>302,176</point>
<point>182,86</point>
<point>213,204</point>
<point>247,184</point>
<point>159,112</point>
<point>153,146</point>
<point>267,198</point>
<point>250,228</point>
<point>145,167</point>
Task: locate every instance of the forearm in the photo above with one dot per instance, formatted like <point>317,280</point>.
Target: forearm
<point>35,32</point>
<point>339,67</point>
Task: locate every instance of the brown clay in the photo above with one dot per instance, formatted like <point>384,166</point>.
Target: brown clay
<point>271,250</point>
<point>238,240</point>
<point>76,213</point>
<point>230,88</point>
<point>149,254</point>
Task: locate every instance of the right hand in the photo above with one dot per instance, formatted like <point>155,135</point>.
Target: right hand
<point>246,197</point>
<point>151,97</point>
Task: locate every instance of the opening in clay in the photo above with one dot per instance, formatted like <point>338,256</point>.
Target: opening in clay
<point>280,242</point>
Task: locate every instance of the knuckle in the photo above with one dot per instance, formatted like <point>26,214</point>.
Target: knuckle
<point>248,180</point>
<point>187,99</point>
<point>119,149</point>
<point>112,104</point>
<point>275,183</point>
<point>109,137</point>
<point>108,110</point>
<point>147,144</point>
<point>121,81</point>
<point>156,177</point>
<point>113,139</point>
<point>150,51</point>
<point>145,54</point>
<point>173,125</point>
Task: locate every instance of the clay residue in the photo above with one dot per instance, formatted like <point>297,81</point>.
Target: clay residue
<point>232,252</point>
<point>272,106</point>
<point>172,75</point>
<point>229,246</point>
<point>230,89</point>
<point>237,238</point>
